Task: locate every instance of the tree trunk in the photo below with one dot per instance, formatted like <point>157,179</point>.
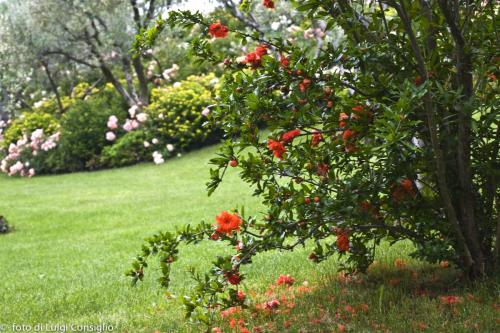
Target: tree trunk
<point>53,85</point>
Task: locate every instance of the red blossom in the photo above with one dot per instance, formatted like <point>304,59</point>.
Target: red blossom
<point>230,311</point>
<point>261,50</point>
<point>233,277</point>
<point>272,304</point>
<point>268,3</point>
<point>284,61</point>
<point>348,135</point>
<point>241,295</point>
<point>450,300</point>
<point>253,58</point>
<point>218,30</point>
<point>227,223</point>
<point>359,109</point>
<point>317,137</point>
<point>342,239</point>
<point>285,279</point>
<point>276,147</point>
<point>290,135</point>
<point>403,190</point>
<point>342,119</point>
<point>304,85</point>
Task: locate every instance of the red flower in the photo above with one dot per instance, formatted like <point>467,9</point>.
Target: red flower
<point>272,304</point>
<point>261,50</point>
<point>227,223</point>
<point>284,61</point>
<point>290,135</point>
<point>323,169</point>
<point>241,295</point>
<point>342,120</point>
<point>268,3</point>
<point>233,277</point>
<point>348,135</point>
<point>218,30</point>
<point>342,240</point>
<point>253,58</point>
<point>285,279</point>
<point>317,137</point>
<point>343,243</point>
<point>277,148</point>
<point>304,85</point>
<point>403,190</point>
<point>359,109</point>
<point>450,300</point>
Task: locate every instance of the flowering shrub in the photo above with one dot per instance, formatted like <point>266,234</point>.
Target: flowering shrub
<point>176,113</point>
<point>388,134</point>
<point>25,124</point>
<point>127,150</point>
<point>23,156</point>
<point>83,132</point>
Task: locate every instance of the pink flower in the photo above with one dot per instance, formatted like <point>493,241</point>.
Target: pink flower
<point>113,122</point>
<point>205,112</point>
<point>130,124</point>
<point>110,136</point>
<point>31,172</point>
<point>142,117</point>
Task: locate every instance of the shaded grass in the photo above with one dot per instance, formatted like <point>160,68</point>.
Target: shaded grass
<point>387,299</point>
<point>75,236</point>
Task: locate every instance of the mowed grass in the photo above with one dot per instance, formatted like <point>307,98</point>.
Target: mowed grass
<point>76,234</point>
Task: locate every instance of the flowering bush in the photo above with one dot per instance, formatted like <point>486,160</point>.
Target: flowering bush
<point>25,124</point>
<point>174,121</point>
<point>176,113</point>
<point>23,157</point>
<point>388,134</point>
<point>127,150</point>
<point>83,132</point>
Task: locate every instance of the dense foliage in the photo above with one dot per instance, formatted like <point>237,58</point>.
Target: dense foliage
<point>177,111</point>
<point>389,133</point>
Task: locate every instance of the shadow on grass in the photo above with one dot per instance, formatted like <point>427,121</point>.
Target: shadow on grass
<point>389,298</point>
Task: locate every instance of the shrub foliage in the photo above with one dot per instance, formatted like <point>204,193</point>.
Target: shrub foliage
<point>389,134</point>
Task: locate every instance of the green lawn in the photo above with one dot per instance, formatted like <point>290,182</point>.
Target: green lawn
<point>75,236</point>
